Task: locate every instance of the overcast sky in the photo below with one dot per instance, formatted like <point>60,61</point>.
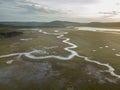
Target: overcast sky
<point>70,10</point>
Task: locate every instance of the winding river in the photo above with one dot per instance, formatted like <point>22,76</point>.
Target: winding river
<point>61,35</point>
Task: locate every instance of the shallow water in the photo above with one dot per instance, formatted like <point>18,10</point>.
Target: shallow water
<point>95,29</point>
<point>60,35</point>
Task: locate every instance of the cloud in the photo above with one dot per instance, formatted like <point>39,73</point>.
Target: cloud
<point>28,6</point>
<point>109,14</point>
<point>46,10</point>
<point>27,10</point>
<point>72,1</point>
<point>32,6</point>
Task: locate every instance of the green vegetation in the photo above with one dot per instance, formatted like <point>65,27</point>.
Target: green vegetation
<point>53,74</point>
<point>89,41</point>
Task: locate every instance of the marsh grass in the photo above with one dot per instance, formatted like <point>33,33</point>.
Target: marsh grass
<point>63,75</point>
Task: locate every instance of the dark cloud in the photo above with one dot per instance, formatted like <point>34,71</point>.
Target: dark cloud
<point>25,10</point>
<point>38,7</point>
<point>28,6</point>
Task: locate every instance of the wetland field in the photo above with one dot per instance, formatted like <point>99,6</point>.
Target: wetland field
<point>73,58</point>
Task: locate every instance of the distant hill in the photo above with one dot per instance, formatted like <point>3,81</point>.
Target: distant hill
<point>20,24</point>
<point>40,24</point>
<point>106,24</point>
<point>60,24</point>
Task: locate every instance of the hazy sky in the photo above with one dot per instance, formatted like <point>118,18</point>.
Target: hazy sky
<point>49,10</point>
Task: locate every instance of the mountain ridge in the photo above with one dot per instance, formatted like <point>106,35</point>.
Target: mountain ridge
<point>58,23</point>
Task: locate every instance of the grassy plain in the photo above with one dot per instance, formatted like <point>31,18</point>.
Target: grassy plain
<point>53,74</point>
